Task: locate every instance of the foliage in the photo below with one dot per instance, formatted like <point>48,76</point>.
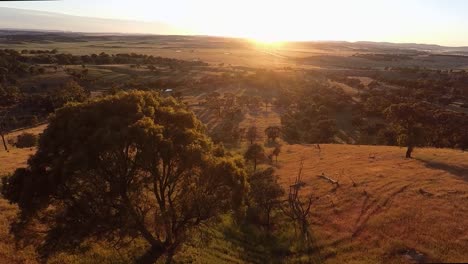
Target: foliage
<point>26,140</point>
<point>265,196</point>
<point>9,95</point>
<point>409,120</point>
<point>252,134</point>
<point>273,132</point>
<point>255,153</point>
<point>276,152</point>
<point>70,92</point>
<point>310,116</point>
<point>133,165</point>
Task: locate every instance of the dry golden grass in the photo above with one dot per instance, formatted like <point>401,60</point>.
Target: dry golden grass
<point>12,137</point>
<point>16,158</point>
<point>9,161</point>
<point>396,205</point>
<point>8,252</point>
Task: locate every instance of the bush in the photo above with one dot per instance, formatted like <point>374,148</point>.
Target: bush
<point>27,140</point>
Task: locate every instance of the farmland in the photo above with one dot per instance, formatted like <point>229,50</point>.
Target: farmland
<point>337,105</point>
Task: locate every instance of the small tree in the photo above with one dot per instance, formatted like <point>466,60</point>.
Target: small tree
<point>408,120</point>
<point>265,195</point>
<point>276,152</point>
<point>9,95</point>
<point>254,153</point>
<point>326,130</point>
<point>273,132</point>
<point>298,209</point>
<point>252,134</point>
<point>70,92</point>
<point>26,140</point>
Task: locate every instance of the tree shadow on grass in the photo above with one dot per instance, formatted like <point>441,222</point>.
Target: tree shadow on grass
<point>460,171</point>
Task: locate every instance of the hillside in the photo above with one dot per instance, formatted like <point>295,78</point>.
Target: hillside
<point>398,211</point>
<point>13,18</point>
<point>397,206</point>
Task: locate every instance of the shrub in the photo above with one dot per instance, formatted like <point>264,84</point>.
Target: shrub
<point>26,140</point>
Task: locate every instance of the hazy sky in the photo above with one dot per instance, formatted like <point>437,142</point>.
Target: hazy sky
<point>423,21</point>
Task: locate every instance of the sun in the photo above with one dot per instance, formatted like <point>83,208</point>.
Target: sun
<point>267,41</point>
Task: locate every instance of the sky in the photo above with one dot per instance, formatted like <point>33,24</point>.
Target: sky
<point>443,22</point>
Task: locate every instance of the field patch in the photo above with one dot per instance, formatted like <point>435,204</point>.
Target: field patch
<point>385,205</point>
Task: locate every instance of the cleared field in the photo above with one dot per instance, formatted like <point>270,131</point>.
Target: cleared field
<point>16,158</point>
<point>14,151</point>
<point>397,211</point>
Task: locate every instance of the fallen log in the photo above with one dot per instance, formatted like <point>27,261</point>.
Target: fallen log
<point>424,192</point>
<point>329,179</point>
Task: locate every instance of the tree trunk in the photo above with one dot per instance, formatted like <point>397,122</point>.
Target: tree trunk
<point>409,151</point>
<point>4,142</point>
<point>255,165</point>
<point>151,256</point>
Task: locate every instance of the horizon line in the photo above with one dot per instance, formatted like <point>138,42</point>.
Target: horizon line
<point>195,34</point>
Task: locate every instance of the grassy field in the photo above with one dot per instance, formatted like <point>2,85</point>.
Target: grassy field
<point>9,161</point>
<point>386,209</point>
<point>397,210</point>
<point>230,51</point>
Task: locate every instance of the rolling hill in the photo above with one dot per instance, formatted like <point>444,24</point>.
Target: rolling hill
<point>386,208</point>
<point>13,18</point>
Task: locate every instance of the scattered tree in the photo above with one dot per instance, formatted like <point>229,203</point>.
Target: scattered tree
<point>409,120</point>
<point>265,195</point>
<point>26,140</point>
<point>276,152</point>
<point>273,132</point>
<point>254,153</point>
<point>70,92</point>
<point>297,209</point>
<point>252,134</point>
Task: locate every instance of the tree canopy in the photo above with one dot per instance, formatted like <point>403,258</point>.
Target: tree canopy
<point>255,153</point>
<point>131,165</point>
<point>421,124</point>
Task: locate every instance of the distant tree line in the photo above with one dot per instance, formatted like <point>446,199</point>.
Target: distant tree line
<point>22,109</point>
<point>310,115</point>
<point>103,58</point>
